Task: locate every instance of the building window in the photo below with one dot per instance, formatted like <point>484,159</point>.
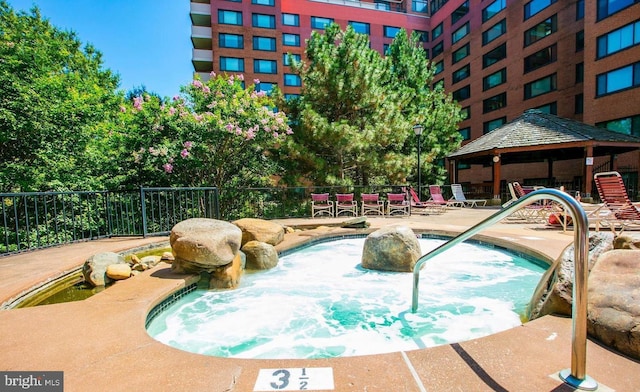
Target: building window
<point>550,108</point>
<point>391,31</point>
<point>288,57</point>
<point>231,64</point>
<point>494,32</point>
<point>495,79</point>
<point>267,87</point>
<point>610,7</point>
<point>535,6</point>
<point>264,2</point>
<point>627,125</point>
<point>437,49</point>
<point>540,86</point>
<point>360,27</point>
<point>461,74</point>
<point>383,5</point>
<point>290,97</point>
<point>580,10</point>
<point>494,103</point>
<point>579,73</point>
<point>292,80</point>
<point>230,17</point>
<point>320,23</point>
<point>465,133</point>
<point>462,93</point>
<point>291,19</point>
<point>493,124</point>
<point>436,5</point>
<point>579,104</point>
<point>540,58</point>
<point>423,36</point>
<point>619,39</point>
<point>618,80</point>
<point>460,33</point>
<point>263,21</point>
<point>437,31</point>
<point>265,66</point>
<point>494,55</point>
<point>541,30</point>
<point>439,67</point>
<point>460,12</point>
<point>465,113</point>
<point>419,6</point>
<point>234,41</point>
<point>580,41</point>
<point>460,54</point>
<point>290,39</point>
<point>493,9</point>
<point>264,43</point>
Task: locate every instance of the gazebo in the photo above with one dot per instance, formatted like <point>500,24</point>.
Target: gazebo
<point>536,137</point>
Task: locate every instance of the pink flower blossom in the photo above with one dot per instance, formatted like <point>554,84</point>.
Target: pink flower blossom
<point>123,109</point>
<point>172,111</point>
<point>168,168</point>
<point>256,81</point>
<point>275,135</point>
<point>176,97</point>
<point>240,77</point>
<point>229,127</point>
<point>212,74</point>
<point>289,131</point>
<point>137,103</point>
<point>250,134</point>
<point>197,83</point>
<point>184,153</point>
<point>187,145</point>
<point>206,89</point>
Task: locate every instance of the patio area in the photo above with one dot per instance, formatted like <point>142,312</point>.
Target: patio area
<point>101,343</point>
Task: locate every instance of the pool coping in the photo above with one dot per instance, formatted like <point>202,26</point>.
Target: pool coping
<point>101,343</point>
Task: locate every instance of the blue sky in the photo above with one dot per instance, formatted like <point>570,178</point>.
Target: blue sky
<point>146,42</point>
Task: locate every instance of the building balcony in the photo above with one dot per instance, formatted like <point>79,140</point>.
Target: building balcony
<point>200,14</point>
<point>382,5</point>
<point>201,37</point>
<point>202,60</point>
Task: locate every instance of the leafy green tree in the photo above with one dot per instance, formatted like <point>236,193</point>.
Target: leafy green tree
<point>354,119</point>
<point>217,133</point>
<point>55,99</point>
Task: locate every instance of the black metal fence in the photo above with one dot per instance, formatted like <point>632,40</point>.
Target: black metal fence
<point>41,219</point>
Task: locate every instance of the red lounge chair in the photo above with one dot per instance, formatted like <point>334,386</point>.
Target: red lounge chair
<point>371,204</point>
<point>613,193</point>
<point>321,205</point>
<point>425,206</point>
<point>345,204</point>
<point>436,197</point>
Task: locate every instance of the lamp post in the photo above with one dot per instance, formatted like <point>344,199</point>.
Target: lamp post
<point>417,129</point>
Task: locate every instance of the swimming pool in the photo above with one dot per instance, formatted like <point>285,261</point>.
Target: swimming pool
<point>318,303</point>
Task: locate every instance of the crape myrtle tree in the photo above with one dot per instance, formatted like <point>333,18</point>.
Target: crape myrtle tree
<point>353,121</point>
<point>55,102</point>
<point>216,133</point>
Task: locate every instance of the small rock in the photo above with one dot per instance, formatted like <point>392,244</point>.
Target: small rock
<point>119,271</point>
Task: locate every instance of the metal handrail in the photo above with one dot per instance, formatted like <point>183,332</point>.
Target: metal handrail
<point>576,376</point>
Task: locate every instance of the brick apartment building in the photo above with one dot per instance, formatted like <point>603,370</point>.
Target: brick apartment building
<point>573,58</point>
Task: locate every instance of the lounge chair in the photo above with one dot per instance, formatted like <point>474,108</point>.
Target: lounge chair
<point>321,205</point>
<point>397,204</point>
<point>345,204</point>
<point>620,211</point>
<point>538,212</point>
<point>370,203</point>
<point>435,193</point>
<point>424,206</point>
<point>458,195</point>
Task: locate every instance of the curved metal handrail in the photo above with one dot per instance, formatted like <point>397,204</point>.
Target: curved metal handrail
<point>576,376</point>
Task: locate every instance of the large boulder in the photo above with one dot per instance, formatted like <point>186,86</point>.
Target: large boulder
<point>260,255</point>
<point>260,230</point>
<point>614,301</point>
<point>94,269</point>
<point>202,244</point>
<point>391,248</point>
<point>555,290</point>
<point>227,276</point>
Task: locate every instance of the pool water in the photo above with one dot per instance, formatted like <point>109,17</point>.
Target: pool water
<point>319,303</point>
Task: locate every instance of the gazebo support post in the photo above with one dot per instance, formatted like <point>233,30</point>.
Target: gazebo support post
<point>497,162</point>
<point>588,171</point>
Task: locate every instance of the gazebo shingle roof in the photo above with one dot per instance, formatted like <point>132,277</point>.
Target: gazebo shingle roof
<point>535,128</point>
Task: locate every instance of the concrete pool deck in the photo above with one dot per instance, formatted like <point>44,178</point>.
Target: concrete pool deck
<point>101,344</point>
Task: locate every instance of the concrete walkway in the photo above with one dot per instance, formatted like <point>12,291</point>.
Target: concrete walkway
<point>101,343</point>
